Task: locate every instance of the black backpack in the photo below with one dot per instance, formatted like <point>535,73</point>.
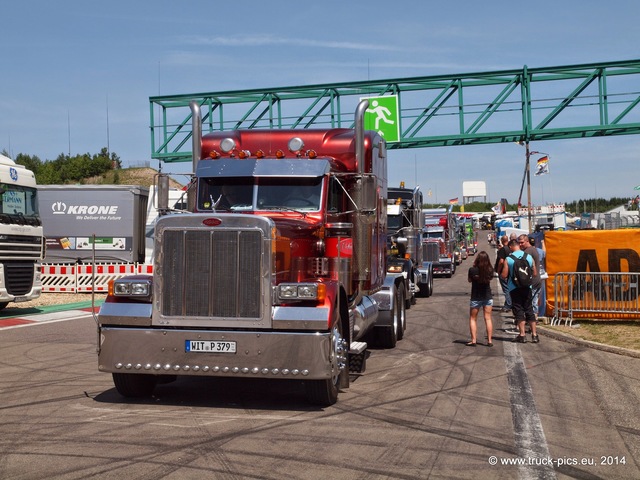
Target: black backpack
<point>522,271</point>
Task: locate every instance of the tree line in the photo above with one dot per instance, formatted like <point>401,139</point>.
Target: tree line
<point>68,169</point>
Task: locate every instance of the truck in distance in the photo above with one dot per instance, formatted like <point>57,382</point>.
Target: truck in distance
<point>405,224</point>
<point>439,240</point>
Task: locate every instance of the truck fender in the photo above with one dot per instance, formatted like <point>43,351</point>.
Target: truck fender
<point>336,297</point>
<point>425,279</point>
<point>385,297</point>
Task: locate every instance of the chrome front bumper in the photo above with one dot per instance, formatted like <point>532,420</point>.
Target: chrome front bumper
<point>287,355</point>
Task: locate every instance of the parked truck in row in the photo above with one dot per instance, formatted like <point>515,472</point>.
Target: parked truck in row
<point>405,224</point>
<point>279,271</point>
<point>439,240</point>
<point>21,239</point>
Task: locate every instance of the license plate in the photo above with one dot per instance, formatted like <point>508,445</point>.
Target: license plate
<point>209,346</point>
<point>20,299</point>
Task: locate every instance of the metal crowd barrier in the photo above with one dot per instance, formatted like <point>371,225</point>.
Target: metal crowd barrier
<point>595,295</point>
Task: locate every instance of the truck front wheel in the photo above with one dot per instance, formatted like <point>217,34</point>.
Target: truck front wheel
<point>134,385</point>
<point>325,392</point>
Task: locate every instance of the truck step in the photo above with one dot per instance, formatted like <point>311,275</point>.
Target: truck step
<point>355,348</point>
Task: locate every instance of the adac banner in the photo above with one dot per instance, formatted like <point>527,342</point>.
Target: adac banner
<point>594,251</point>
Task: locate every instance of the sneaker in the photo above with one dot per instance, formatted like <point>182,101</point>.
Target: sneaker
<point>535,339</point>
<point>520,339</point>
<point>512,331</point>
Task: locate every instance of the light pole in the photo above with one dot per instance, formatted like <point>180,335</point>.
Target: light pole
<point>527,177</point>
<point>528,172</point>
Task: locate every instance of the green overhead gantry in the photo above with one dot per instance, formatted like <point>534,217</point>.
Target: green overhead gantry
<point>564,102</point>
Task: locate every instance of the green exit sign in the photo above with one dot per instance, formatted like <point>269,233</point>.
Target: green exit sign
<point>383,116</point>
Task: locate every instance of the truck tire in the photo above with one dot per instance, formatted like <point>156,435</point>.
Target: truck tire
<point>388,336</point>
<point>427,287</point>
<point>324,392</point>
<point>133,385</point>
<point>402,313</point>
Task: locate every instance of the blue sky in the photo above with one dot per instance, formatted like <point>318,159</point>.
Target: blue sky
<point>78,73</point>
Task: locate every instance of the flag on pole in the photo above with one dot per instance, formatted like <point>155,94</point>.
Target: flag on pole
<point>453,201</point>
<point>637,187</point>
<point>542,167</point>
<point>497,208</point>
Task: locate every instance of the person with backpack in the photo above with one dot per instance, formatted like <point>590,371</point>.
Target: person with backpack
<point>501,254</point>
<point>519,270</point>
<point>527,245</point>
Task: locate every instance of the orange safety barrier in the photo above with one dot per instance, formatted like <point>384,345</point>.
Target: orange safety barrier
<point>59,278</point>
<point>103,274</point>
<point>74,278</point>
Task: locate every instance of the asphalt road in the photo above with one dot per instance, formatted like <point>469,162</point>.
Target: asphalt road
<point>430,408</point>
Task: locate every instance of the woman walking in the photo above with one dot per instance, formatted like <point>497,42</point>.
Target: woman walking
<point>480,277</point>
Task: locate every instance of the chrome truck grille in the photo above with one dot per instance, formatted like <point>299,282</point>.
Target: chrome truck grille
<point>431,251</point>
<point>213,273</point>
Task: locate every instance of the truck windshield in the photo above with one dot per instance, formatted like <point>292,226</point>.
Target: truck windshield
<point>394,223</point>
<point>437,234</point>
<point>18,200</point>
<point>260,193</point>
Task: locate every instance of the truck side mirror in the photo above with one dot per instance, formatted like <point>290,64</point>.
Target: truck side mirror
<point>369,199</point>
<point>163,192</point>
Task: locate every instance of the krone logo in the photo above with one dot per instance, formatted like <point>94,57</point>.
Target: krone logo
<point>58,208</point>
<point>61,208</point>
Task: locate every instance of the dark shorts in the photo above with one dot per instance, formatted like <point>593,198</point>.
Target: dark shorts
<point>522,304</point>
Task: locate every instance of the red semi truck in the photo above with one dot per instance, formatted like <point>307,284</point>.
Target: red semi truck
<point>439,240</point>
<point>278,270</point>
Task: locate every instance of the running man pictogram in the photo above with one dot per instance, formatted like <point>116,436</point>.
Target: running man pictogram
<point>383,117</point>
<point>382,113</point>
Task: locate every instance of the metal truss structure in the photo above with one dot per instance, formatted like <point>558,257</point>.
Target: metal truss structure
<point>588,100</point>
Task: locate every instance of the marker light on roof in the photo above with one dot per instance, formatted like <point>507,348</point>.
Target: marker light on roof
<point>295,144</point>
<point>227,144</point>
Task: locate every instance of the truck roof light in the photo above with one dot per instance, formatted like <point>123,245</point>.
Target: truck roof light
<point>244,154</point>
<point>227,145</point>
<point>260,154</point>
<point>213,154</point>
<point>312,154</point>
<point>295,144</point>
<point>279,154</point>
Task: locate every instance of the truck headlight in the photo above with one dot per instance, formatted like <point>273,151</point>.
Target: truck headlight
<point>301,291</point>
<point>125,287</point>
